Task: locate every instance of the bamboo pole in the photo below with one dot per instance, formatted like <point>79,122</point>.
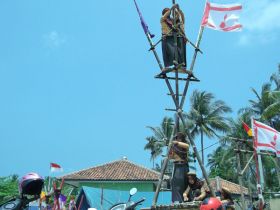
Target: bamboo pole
<point>161,68</point>
<point>163,168</point>
<point>199,37</point>
<point>81,202</point>
<point>240,180</point>
<point>247,165</point>
<point>175,37</point>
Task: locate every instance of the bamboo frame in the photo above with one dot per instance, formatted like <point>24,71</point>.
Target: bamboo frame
<point>179,105</point>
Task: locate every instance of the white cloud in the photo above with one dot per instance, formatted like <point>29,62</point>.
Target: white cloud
<point>261,21</point>
<point>54,40</point>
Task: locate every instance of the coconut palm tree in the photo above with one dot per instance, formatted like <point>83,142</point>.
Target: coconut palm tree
<point>222,163</point>
<point>160,138</point>
<point>154,147</point>
<point>266,107</point>
<point>275,78</point>
<point>206,117</point>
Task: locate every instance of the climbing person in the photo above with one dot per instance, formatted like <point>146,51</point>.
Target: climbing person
<point>168,29</point>
<point>179,155</point>
<point>195,190</point>
<point>226,199</point>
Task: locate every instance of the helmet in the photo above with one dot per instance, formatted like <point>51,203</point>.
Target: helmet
<point>191,173</point>
<point>211,204</point>
<point>31,184</point>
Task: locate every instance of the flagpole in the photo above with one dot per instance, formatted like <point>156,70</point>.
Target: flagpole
<point>199,38</point>
<point>261,171</point>
<point>49,187</point>
<point>259,188</point>
<point>240,179</point>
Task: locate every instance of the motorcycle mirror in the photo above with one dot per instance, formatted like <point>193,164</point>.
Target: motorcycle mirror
<point>133,191</point>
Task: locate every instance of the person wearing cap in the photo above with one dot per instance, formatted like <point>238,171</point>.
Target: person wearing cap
<point>196,189</point>
<point>226,199</point>
<point>179,155</point>
<point>168,28</point>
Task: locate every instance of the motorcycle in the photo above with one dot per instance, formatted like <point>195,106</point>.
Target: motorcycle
<point>30,187</point>
<point>129,205</point>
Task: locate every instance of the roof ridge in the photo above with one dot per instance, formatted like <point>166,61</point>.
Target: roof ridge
<point>75,172</point>
<point>232,183</point>
<point>151,170</point>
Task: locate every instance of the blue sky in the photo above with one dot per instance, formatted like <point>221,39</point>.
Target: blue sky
<point>77,81</point>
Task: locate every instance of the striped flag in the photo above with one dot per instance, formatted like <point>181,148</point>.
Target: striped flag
<point>222,17</point>
<point>55,167</point>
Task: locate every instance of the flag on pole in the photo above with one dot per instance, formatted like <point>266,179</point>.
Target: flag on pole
<point>222,17</point>
<point>247,129</point>
<point>266,138</point>
<point>143,23</point>
<point>55,167</point>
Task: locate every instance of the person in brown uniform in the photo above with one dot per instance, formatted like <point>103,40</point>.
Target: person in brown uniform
<point>168,28</point>
<point>179,155</point>
<point>196,189</point>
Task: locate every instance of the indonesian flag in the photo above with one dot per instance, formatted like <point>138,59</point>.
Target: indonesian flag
<point>222,17</point>
<point>266,138</point>
<point>55,167</point>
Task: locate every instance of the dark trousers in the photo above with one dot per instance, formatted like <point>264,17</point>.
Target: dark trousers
<point>169,50</point>
<point>179,182</point>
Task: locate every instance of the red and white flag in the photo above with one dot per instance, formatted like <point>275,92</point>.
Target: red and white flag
<point>222,17</point>
<point>55,167</point>
<point>266,138</point>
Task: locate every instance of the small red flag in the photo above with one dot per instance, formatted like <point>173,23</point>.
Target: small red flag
<point>247,129</point>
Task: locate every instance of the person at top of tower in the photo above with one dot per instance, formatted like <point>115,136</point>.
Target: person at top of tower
<point>168,29</point>
<point>179,154</point>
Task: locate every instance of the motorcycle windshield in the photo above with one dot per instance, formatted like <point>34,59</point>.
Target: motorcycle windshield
<point>121,206</point>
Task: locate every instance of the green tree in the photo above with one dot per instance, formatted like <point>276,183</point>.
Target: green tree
<point>275,78</point>
<point>8,187</point>
<point>266,106</point>
<point>222,163</point>
<point>273,111</point>
<point>206,116</point>
<point>155,147</point>
<point>160,138</point>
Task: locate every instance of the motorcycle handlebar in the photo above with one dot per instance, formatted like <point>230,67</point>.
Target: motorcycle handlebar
<point>138,202</point>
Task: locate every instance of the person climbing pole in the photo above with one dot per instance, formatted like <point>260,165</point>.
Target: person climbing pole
<point>179,155</point>
<point>168,29</point>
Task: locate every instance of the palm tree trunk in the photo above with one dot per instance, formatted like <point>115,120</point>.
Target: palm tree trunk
<point>202,146</point>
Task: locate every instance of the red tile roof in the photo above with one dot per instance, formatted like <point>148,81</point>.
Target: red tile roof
<point>121,170</point>
<point>217,183</point>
